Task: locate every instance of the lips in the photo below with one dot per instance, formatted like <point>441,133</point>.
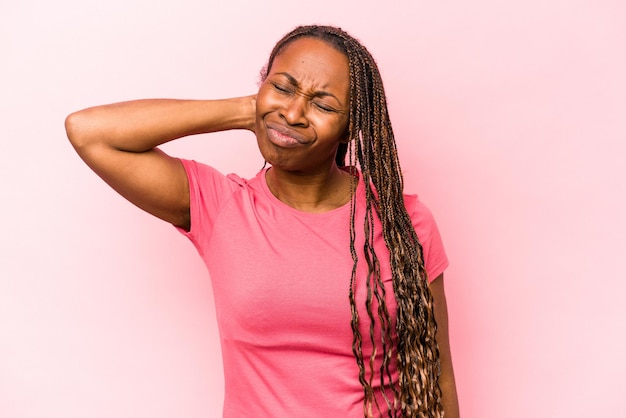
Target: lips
<point>284,136</point>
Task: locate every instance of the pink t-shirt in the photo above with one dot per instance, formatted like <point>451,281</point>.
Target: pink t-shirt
<point>281,278</point>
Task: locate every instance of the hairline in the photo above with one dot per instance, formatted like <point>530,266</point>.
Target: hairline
<point>338,46</point>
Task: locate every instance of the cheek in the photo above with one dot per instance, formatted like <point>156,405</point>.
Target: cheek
<point>265,100</point>
<point>260,101</point>
<point>264,147</point>
<point>345,123</point>
<point>335,128</point>
<point>262,108</point>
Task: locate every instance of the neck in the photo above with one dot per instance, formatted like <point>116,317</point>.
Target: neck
<point>319,192</point>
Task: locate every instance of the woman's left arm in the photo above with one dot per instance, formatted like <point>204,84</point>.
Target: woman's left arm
<point>446,379</point>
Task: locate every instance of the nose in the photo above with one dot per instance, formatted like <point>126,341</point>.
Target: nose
<point>294,111</point>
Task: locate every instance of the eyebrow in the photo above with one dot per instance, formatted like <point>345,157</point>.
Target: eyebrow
<point>319,93</point>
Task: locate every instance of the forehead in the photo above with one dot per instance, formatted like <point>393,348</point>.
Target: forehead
<point>313,59</point>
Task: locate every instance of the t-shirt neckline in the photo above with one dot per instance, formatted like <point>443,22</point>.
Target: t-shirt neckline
<point>318,215</point>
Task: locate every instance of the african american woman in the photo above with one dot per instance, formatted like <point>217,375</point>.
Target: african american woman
<point>328,279</point>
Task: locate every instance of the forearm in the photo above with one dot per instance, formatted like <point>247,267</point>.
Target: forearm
<point>141,125</point>
<point>448,388</point>
<point>446,379</point>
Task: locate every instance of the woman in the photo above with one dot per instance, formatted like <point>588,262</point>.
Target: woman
<point>328,281</point>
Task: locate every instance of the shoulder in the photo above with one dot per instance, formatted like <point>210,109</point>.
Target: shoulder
<point>208,180</point>
<point>202,173</point>
<point>428,235</point>
<point>418,211</point>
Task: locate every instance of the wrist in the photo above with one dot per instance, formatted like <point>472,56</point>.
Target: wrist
<point>248,112</point>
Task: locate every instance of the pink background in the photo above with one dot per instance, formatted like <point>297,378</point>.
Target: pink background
<point>511,122</point>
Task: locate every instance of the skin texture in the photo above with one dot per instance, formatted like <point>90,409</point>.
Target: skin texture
<point>299,116</point>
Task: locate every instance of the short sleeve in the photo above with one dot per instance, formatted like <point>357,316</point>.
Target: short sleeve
<point>435,258</point>
<point>208,191</point>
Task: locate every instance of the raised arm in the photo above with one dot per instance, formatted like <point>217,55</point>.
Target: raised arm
<point>119,141</point>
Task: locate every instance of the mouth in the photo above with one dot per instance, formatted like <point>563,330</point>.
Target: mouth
<point>285,137</point>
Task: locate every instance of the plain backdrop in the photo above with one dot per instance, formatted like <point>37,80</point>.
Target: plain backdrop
<point>510,118</point>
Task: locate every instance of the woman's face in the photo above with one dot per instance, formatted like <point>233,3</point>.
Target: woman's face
<point>302,107</point>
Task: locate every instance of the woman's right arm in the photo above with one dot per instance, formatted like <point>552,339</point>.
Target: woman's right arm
<point>119,141</point>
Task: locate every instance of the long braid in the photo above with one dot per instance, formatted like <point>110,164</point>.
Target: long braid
<point>373,148</point>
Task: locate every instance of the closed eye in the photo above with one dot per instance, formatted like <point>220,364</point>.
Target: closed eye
<point>323,107</point>
<point>281,88</point>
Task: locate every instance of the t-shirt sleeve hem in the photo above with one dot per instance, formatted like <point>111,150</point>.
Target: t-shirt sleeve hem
<point>437,270</point>
<point>193,198</point>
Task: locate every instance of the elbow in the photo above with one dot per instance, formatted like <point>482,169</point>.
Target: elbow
<point>76,130</point>
<point>71,127</point>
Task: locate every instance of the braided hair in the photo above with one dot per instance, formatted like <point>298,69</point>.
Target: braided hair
<point>372,146</point>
